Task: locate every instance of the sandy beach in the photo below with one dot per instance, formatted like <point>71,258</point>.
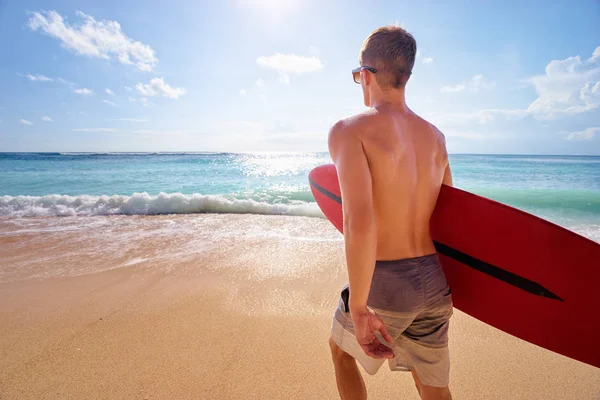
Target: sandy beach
<point>213,306</point>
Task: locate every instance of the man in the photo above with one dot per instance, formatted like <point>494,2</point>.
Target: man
<point>391,164</point>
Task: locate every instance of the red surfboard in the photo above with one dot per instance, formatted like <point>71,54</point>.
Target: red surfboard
<point>510,269</point>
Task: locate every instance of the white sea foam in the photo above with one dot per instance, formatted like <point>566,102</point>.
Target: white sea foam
<point>145,204</point>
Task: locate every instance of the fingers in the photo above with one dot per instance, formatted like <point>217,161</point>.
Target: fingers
<point>377,353</point>
<point>384,332</point>
<point>376,349</point>
<point>365,329</point>
<point>378,325</point>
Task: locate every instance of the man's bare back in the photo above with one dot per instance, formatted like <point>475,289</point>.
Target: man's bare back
<point>408,162</point>
<point>390,164</point>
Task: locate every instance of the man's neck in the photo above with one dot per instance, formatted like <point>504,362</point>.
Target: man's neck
<point>392,99</point>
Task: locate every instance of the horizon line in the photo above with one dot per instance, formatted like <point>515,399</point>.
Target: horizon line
<point>266,151</point>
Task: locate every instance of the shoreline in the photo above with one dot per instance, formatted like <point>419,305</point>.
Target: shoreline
<point>214,306</point>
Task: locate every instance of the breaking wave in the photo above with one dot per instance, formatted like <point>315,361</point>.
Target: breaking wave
<point>145,204</point>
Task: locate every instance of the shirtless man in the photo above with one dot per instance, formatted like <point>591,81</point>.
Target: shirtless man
<point>391,164</point>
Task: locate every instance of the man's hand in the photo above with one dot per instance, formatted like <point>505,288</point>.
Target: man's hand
<point>366,323</point>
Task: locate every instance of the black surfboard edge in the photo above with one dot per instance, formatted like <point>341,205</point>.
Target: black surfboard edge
<point>325,192</point>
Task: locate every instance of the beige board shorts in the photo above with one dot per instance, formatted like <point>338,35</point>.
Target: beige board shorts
<point>413,299</point>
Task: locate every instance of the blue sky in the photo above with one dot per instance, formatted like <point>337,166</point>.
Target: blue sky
<point>269,75</point>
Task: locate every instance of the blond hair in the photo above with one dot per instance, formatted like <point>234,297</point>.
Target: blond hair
<point>392,51</point>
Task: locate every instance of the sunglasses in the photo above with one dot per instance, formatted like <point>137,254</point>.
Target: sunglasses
<point>356,72</point>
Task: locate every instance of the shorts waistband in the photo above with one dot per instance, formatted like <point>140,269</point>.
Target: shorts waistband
<point>406,262</point>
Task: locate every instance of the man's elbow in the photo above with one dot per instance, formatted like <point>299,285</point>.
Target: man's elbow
<point>359,225</point>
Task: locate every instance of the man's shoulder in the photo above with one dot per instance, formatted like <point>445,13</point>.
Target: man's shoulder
<point>430,126</point>
<point>438,134</point>
<point>354,124</point>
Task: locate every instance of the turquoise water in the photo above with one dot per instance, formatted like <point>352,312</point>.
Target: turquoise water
<point>563,189</point>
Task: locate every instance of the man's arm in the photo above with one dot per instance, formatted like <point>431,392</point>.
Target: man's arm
<point>360,234</point>
<point>447,176</point>
<point>447,180</point>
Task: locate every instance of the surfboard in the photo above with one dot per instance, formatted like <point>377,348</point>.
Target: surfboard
<point>517,272</point>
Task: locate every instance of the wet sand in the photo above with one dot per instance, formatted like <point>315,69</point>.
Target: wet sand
<point>213,306</point>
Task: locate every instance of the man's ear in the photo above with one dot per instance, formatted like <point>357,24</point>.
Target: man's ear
<point>365,77</point>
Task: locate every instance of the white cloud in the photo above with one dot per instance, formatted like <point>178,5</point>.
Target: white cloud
<point>76,89</point>
<point>66,82</point>
<point>160,132</point>
<point>586,134</point>
<point>475,84</point>
<point>94,130</point>
<point>286,64</point>
<point>128,88</point>
<point>471,135</point>
<point>157,86</point>
<point>131,99</point>
<point>480,117</point>
<point>478,82</point>
<point>243,92</point>
<point>595,55</point>
<point>144,101</point>
<point>450,89</point>
<point>424,59</point>
<point>108,91</point>
<point>100,39</point>
<point>110,103</point>
<point>569,86</point>
<point>260,83</point>
<point>47,119</point>
<point>25,122</point>
<point>83,91</point>
<point>284,78</point>
<point>588,92</point>
<point>37,77</point>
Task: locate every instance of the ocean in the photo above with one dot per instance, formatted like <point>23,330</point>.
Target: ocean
<point>562,189</point>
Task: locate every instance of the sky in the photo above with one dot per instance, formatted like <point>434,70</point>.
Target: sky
<point>274,75</point>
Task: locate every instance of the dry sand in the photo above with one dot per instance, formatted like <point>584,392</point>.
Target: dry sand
<point>213,307</point>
